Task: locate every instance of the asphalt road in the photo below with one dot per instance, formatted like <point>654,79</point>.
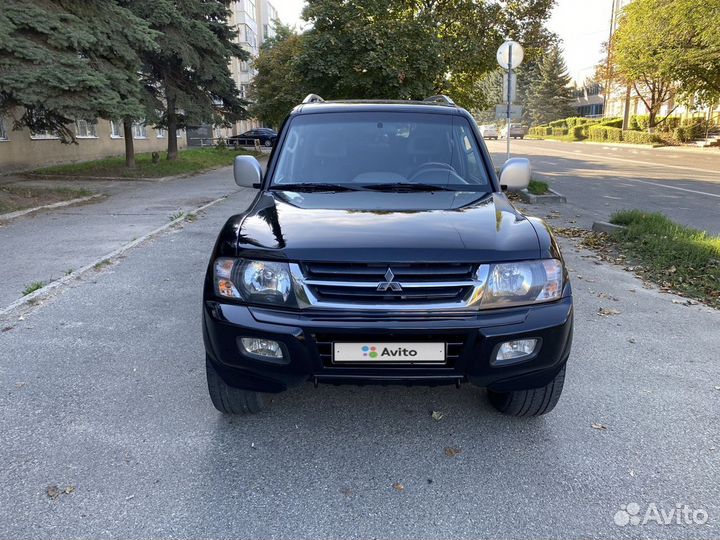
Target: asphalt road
<point>599,179</point>
<point>102,394</point>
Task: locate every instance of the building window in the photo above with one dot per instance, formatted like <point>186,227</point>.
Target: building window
<point>160,133</point>
<point>244,67</point>
<point>117,130</point>
<point>43,135</point>
<point>85,129</point>
<point>243,91</point>
<point>3,130</point>
<point>139,131</point>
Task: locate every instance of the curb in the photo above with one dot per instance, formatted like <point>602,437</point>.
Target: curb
<point>607,228</point>
<point>100,260</point>
<point>13,215</point>
<point>552,197</point>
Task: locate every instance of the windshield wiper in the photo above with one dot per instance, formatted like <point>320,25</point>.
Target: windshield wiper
<point>406,187</point>
<point>313,186</point>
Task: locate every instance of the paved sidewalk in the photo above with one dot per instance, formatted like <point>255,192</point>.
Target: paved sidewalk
<point>44,247</point>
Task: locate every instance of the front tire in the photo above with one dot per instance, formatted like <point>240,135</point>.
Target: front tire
<point>532,402</point>
<point>230,400</point>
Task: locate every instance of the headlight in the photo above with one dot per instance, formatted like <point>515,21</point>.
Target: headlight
<point>517,283</point>
<point>262,282</point>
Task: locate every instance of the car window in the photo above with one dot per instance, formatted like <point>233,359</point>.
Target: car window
<point>363,148</point>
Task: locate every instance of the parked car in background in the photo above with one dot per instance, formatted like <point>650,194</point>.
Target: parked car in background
<point>489,131</point>
<point>266,136</point>
<point>517,131</point>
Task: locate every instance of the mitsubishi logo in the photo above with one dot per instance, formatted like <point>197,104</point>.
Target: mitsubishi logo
<point>389,283</point>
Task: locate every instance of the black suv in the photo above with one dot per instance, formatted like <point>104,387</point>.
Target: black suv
<point>380,248</point>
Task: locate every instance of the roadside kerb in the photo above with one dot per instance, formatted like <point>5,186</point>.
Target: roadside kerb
<point>12,215</point>
<point>42,292</point>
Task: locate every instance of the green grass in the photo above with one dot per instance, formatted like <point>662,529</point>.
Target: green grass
<point>189,161</point>
<point>34,286</point>
<point>536,187</point>
<point>674,256</point>
<point>17,197</point>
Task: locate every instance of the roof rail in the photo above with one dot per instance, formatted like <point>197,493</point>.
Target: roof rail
<point>440,99</point>
<point>313,98</point>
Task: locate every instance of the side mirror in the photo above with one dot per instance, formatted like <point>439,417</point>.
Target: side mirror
<point>247,171</point>
<point>515,174</point>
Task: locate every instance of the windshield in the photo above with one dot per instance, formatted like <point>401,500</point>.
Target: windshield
<point>379,150</point>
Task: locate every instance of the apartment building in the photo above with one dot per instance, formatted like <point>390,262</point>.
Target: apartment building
<point>254,21</point>
<point>23,149</point>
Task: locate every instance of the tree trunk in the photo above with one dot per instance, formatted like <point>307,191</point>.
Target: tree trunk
<point>129,143</point>
<point>172,152</point>
<point>652,119</point>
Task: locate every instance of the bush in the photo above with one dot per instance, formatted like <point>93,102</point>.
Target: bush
<point>640,137</point>
<point>641,122</point>
<point>612,122</point>
<point>579,133</point>
<point>602,133</point>
<point>559,132</point>
<point>558,123</point>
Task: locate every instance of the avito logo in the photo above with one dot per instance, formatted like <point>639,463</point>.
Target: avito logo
<point>402,352</point>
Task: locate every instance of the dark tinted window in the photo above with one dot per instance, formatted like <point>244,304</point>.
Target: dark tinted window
<point>381,147</point>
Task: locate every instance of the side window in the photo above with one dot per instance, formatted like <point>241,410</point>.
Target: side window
<point>471,154</point>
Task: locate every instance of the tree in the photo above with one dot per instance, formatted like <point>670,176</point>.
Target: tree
<point>187,79</point>
<point>368,49</point>
<point>278,86</point>
<point>70,59</point>
<point>550,96</point>
<point>642,53</point>
<point>693,25</point>
<point>402,49</point>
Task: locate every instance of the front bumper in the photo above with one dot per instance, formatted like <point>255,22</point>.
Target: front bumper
<point>307,339</point>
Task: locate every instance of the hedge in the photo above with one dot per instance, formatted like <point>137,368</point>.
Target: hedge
<point>601,133</point>
<point>559,131</point>
<point>689,133</point>
<point>640,137</point>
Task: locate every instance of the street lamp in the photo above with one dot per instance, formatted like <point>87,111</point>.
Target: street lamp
<point>509,55</point>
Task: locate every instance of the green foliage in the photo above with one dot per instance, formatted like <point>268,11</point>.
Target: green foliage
<point>70,59</point>
<point>396,49</point>
<point>537,187</point>
<point>685,259</point>
<point>189,161</point>
<point>32,287</point>
<point>190,72</point>
<point>277,87</point>
<point>604,133</point>
<point>689,132</point>
<point>550,96</point>
<point>559,132</point>
<point>640,137</point>
<point>643,51</point>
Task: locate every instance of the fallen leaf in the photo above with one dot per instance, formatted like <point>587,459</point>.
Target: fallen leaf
<point>69,489</point>
<point>53,492</point>
<point>596,425</point>
<point>605,312</point>
<point>717,388</point>
<point>631,340</point>
<point>437,415</point>
<point>451,451</point>
<point>397,486</point>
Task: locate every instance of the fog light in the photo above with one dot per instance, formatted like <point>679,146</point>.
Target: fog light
<point>515,350</point>
<point>265,348</point>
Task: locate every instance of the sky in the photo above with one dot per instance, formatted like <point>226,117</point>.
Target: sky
<point>583,26</point>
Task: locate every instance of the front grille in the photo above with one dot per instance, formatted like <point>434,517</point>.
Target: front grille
<point>419,284</point>
<point>455,345</point>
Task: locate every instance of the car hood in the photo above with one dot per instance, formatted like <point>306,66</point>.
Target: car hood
<point>388,227</point>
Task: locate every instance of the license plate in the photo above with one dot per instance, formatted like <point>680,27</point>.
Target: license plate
<point>389,353</point>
